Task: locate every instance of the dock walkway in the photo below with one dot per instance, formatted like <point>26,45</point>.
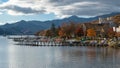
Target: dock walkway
<point>44,41</point>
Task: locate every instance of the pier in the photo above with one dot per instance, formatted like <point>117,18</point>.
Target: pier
<point>44,41</point>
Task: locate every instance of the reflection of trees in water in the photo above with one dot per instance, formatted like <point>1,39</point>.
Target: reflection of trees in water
<point>91,57</point>
<point>109,53</point>
<point>102,53</point>
<point>92,53</point>
<point>71,54</point>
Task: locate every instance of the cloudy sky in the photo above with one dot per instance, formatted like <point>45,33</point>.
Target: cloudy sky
<point>15,10</point>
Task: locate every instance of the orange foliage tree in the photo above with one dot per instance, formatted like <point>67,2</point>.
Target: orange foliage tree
<point>91,32</point>
<point>117,34</point>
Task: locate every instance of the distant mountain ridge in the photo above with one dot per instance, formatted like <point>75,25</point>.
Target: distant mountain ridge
<point>31,27</point>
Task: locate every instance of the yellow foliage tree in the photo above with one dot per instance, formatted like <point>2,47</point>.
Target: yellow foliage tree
<point>91,32</point>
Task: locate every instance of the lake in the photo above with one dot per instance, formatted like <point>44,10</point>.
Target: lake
<point>15,56</point>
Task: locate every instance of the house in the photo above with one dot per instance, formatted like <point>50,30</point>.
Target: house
<point>118,29</point>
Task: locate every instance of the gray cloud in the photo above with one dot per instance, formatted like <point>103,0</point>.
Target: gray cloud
<point>68,2</point>
<point>63,2</point>
<point>63,8</point>
<point>91,8</point>
<point>24,10</point>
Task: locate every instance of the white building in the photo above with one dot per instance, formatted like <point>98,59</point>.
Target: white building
<point>118,29</point>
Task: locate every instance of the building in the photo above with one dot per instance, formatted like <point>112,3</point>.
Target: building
<point>118,29</point>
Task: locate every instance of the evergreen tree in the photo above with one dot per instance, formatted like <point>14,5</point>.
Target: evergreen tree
<point>53,30</point>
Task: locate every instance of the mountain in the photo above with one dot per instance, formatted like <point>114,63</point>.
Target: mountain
<point>24,27</point>
<point>31,27</point>
<point>1,31</point>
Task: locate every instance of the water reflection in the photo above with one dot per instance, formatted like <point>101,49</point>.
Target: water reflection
<point>13,56</point>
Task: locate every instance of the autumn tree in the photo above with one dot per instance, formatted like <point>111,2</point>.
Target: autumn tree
<point>68,29</point>
<point>40,33</point>
<point>37,33</point>
<point>117,34</point>
<point>111,32</point>
<point>62,33</point>
<point>79,32</point>
<point>63,30</point>
<point>116,19</point>
<point>91,32</point>
<point>48,33</point>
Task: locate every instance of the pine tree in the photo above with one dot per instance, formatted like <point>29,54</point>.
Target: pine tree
<point>53,30</point>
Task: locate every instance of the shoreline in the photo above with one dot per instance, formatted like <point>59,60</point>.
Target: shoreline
<point>43,41</point>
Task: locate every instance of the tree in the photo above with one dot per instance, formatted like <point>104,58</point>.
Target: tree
<point>79,32</point>
<point>62,33</point>
<point>48,33</point>
<point>118,34</point>
<point>111,33</point>
<point>72,27</point>
<point>53,30</point>
<point>37,33</point>
<point>68,29</point>
<point>91,32</point>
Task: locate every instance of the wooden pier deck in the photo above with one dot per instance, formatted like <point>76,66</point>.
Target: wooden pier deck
<point>40,41</point>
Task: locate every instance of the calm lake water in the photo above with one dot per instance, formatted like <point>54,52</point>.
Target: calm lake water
<point>15,56</point>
